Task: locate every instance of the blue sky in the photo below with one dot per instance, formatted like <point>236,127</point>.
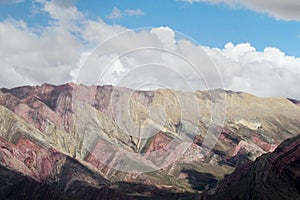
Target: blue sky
<point>241,45</point>
<point>212,25</point>
<point>208,24</point>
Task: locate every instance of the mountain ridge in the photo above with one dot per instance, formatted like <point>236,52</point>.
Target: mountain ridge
<point>164,135</point>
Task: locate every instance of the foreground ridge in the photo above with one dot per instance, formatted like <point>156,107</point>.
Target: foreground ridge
<point>272,176</point>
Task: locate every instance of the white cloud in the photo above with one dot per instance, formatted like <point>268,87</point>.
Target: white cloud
<point>96,31</point>
<point>61,52</point>
<point>287,9</point>
<point>242,67</point>
<point>47,56</point>
<point>134,12</point>
<point>267,73</point>
<point>115,14</point>
<point>166,36</point>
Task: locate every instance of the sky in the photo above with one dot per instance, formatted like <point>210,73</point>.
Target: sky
<point>249,45</point>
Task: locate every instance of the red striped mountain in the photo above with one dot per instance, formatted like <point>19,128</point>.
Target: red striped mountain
<point>273,175</point>
<point>46,128</point>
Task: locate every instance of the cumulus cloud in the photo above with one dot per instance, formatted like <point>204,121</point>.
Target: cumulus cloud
<point>166,36</point>
<point>181,64</point>
<point>287,10</point>
<point>75,48</point>
<point>37,57</point>
<point>48,54</point>
<point>267,73</point>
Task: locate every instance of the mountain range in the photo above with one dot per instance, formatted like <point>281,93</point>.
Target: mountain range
<point>75,141</point>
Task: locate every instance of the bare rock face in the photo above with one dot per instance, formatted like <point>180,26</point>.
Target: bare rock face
<point>30,168</point>
<point>28,158</point>
<point>114,132</point>
<point>272,176</point>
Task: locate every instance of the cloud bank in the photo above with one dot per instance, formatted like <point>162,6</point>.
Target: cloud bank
<point>287,9</point>
<point>65,51</point>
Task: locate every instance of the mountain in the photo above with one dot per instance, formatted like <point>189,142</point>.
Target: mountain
<point>274,175</point>
<point>72,140</point>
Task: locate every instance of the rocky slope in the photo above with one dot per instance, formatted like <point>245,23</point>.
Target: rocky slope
<point>272,176</point>
<point>144,143</point>
<point>31,169</point>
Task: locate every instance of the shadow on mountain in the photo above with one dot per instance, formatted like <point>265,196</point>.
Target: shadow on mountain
<point>15,186</point>
<point>199,181</point>
<point>147,192</point>
<point>236,161</point>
